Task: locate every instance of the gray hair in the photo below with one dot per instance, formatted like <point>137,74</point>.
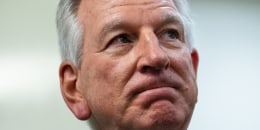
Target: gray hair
<point>70,32</point>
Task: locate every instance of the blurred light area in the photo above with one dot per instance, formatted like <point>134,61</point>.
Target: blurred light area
<point>28,74</point>
<point>227,34</point>
<point>28,48</point>
<point>30,97</point>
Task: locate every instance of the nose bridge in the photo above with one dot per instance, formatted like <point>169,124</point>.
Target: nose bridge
<point>151,45</point>
<point>151,53</point>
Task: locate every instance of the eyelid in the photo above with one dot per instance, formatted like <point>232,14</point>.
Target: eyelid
<point>173,30</point>
<point>119,44</point>
<point>118,36</point>
<point>171,42</point>
<point>114,41</point>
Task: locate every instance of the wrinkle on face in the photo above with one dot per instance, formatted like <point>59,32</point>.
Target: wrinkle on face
<point>109,78</point>
<point>88,16</point>
<point>114,4</point>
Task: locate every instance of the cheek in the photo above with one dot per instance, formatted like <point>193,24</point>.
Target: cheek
<point>105,80</point>
<point>181,63</point>
<point>98,77</point>
<point>98,87</point>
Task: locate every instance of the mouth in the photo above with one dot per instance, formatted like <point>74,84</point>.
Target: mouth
<point>156,95</point>
<point>156,90</point>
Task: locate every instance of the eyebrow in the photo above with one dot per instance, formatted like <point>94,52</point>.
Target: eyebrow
<point>171,18</point>
<point>113,25</point>
<point>118,23</point>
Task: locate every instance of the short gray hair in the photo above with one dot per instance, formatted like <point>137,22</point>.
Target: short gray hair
<point>70,32</point>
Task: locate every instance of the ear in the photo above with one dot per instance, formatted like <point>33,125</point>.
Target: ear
<point>70,90</point>
<point>195,60</point>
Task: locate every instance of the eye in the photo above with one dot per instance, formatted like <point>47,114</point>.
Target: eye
<point>121,39</point>
<point>170,34</point>
<point>120,44</point>
<point>171,38</point>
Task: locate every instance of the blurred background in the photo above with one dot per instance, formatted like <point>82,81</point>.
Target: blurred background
<point>227,37</point>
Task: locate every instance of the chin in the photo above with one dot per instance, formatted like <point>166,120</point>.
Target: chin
<point>164,119</point>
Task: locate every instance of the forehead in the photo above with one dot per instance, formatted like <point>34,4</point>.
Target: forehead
<point>106,4</point>
<point>96,8</point>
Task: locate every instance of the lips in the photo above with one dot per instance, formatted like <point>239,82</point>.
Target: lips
<point>148,97</point>
<point>155,88</point>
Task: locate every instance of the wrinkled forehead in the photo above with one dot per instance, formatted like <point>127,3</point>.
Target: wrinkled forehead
<point>94,7</point>
<point>112,3</point>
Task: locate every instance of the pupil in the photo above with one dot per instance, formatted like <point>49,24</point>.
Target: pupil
<point>123,39</point>
<point>172,35</point>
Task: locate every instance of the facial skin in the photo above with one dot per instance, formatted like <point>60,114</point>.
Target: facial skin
<point>137,71</point>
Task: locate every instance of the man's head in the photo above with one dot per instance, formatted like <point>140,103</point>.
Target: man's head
<point>128,64</point>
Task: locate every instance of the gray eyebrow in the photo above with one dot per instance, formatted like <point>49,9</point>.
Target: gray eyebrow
<point>113,25</point>
<point>171,18</point>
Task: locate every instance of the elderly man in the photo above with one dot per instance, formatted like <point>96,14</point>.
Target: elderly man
<point>128,64</point>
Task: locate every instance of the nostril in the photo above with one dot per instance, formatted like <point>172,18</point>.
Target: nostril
<point>145,68</point>
<point>154,66</point>
<point>151,69</point>
<point>167,64</point>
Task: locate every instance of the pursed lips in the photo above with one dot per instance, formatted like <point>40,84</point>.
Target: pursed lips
<point>155,88</point>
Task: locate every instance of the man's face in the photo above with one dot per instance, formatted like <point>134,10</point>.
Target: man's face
<point>137,70</point>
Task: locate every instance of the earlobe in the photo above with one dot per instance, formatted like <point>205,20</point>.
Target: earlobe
<point>74,99</point>
<point>195,60</point>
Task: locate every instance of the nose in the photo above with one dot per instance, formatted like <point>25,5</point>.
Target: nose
<point>152,57</point>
